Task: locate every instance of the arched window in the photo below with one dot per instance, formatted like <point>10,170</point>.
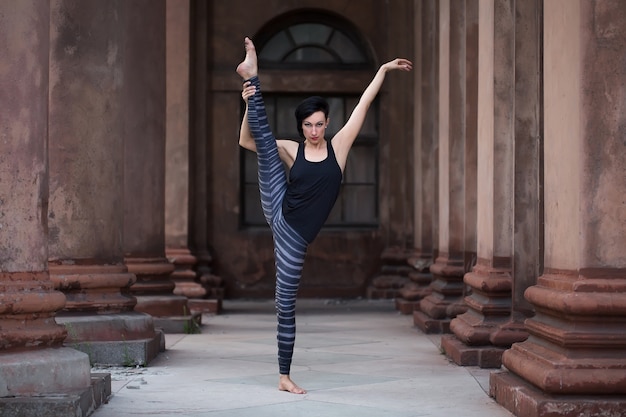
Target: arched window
<point>317,42</point>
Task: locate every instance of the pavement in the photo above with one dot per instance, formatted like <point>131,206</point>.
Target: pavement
<point>354,357</point>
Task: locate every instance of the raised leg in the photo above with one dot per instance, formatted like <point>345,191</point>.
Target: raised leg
<point>289,247</point>
<point>272,176</point>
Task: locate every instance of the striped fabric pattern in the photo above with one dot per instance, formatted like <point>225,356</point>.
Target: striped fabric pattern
<point>289,247</point>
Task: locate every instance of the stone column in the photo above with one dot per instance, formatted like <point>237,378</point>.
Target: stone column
<point>177,185</point>
<point>426,238</point>
<point>144,167</point>
<point>464,91</point>
<point>470,151</point>
<point>424,157</point>
<point>86,185</point>
<point>446,299</point>
<point>199,151</point>
<point>396,158</point>
<point>397,149</point>
<point>528,200</point>
<point>490,279</point>
<point>573,361</point>
<point>33,363</point>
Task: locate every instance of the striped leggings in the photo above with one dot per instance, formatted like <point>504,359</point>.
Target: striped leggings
<point>289,246</point>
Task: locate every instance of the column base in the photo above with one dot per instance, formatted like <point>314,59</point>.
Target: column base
<point>122,339</point>
<point>28,304</point>
<point>184,277</point>
<point>438,307</point>
<point>421,262</point>
<point>577,341</point>
<point>386,287</point>
<point>406,307</point>
<point>93,287</point>
<point>43,371</point>
<point>410,296</point>
<point>189,324</point>
<point>417,288</point>
<point>204,306</point>
<point>122,353</point>
<point>393,275</point>
<point>524,399</point>
<point>429,325</point>
<point>423,279</point>
<point>513,331</point>
<point>170,313</point>
<point>395,261</point>
<point>446,300</point>
<point>154,293</point>
<point>162,305</point>
<point>464,355</point>
<point>75,404</point>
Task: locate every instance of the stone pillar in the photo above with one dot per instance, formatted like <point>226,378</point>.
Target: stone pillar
<point>527,199</point>
<point>470,151</point>
<point>144,167</point>
<point>396,161</point>
<point>86,215</point>
<point>34,366</point>
<point>424,157</point>
<point>396,174</point>
<point>199,151</point>
<point>573,361</point>
<point>446,299</point>
<point>177,186</point>
<point>490,279</point>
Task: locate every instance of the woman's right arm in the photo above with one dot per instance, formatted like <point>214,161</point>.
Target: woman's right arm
<point>245,135</point>
<point>287,149</point>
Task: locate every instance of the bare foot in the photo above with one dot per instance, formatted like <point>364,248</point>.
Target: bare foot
<point>286,384</point>
<point>248,67</point>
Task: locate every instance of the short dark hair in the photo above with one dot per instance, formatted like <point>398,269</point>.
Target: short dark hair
<point>307,107</point>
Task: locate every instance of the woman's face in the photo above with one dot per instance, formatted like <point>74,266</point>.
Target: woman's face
<point>314,127</point>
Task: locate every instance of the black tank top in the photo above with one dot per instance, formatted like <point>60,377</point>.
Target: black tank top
<point>311,194</point>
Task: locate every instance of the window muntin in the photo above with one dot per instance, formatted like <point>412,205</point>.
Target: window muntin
<point>316,44</point>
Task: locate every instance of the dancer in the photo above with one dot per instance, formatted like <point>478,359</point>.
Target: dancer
<point>296,209</point>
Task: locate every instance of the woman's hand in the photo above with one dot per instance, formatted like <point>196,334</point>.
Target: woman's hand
<point>398,64</point>
<point>248,91</point>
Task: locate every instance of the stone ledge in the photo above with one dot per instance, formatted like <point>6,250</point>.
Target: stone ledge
<point>179,324</point>
<point>524,399</point>
<point>465,355</point>
<point>204,305</point>
<point>43,371</point>
<point>121,353</point>
<point>76,404</point>
<point>429,325</point>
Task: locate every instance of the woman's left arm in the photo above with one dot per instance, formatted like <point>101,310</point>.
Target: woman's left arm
<point>343,140</point>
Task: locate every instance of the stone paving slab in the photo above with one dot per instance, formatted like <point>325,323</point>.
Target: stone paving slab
<point>355,358</point>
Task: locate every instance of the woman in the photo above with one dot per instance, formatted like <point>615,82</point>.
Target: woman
<point>296,209</point>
